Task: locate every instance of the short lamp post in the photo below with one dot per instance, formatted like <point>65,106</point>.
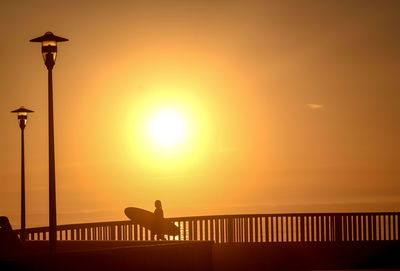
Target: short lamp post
<point>22,114</point>
<point>49,51</point>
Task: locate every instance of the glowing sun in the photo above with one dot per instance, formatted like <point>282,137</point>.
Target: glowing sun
<point>167,128</point>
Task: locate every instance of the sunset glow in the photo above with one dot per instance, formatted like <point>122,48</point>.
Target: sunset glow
<point>213,107</point>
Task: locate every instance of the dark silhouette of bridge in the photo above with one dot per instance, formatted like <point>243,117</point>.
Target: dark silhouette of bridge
<point>297,241</point>
<point>258,228</point>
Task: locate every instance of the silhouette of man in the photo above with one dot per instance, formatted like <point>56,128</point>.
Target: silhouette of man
<point>157,221</point>
<point>10,244</point>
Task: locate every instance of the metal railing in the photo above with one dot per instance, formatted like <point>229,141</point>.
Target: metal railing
<point>295,227</point>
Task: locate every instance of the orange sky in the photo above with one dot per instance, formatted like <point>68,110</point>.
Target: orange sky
<point>292,106</point>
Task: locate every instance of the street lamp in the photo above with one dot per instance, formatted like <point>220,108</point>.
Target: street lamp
<point>22,114</point>
<point>49,51</point>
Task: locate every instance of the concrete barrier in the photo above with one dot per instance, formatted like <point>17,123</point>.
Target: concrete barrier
<point>187,255</point>
<point>306,256</point>
<point>162,256</point>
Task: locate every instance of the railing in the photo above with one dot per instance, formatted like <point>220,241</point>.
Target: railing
<point>314,227</point>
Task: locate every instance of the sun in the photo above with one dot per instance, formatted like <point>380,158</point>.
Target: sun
<point>167,128</point>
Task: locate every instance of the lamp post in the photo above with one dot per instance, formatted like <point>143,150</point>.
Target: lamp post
<point>22,114</point>
<point>49,51</point>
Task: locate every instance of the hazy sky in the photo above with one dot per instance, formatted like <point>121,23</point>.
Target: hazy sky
<point>289,106</point>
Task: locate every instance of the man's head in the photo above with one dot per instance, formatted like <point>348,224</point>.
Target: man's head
<point>157,203</point>
<point>5,223</point>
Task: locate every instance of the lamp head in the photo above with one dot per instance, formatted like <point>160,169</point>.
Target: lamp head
<point>22,114</point>
<point>49,45</point>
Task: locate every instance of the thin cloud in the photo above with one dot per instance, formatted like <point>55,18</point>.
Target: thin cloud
<point>315,106</point>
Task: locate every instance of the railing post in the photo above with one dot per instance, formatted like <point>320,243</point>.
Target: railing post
<point>266,229</point>
<point>201,229</point>
<point>256,221</point>
<point>190,233</point>
<point>195,233</point>
<point>212,230</point>
<point>384,227</point>
<point>119,232</point>
<point>230,231</point>
<point>397,216</point>
<point>112,233</point>
<point>217,239</point>
<point>223,231</point>
<point>251,229</point>
<point>338,228</point>
<point>206,230</point>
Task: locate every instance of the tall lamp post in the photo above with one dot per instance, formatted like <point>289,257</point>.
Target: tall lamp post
<point>22,114</point>
<point>49,51</point>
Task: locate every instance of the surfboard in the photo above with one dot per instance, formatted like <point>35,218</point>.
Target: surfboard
<point>145,219</point>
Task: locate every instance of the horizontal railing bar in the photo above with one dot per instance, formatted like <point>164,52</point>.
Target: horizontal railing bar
<point>277,214</point>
